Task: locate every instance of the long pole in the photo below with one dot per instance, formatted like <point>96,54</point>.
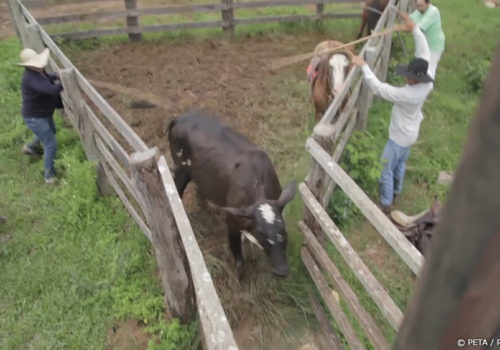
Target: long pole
<point>286,61</point>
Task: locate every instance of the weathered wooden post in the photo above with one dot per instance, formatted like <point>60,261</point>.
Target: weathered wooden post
<point>365,95</point>
<point>19,21</point>
<point>228,16</point>
<point>169,250</point>
<point>320,9</point>
<point>78,115</point>
<point>12,18</point>
<point>132,20</point>
<point>317,178</point>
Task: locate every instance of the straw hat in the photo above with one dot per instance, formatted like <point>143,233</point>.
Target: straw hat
<point>30,58</point>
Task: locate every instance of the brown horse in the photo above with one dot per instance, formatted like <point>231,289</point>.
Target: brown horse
<point>327,73</point>
<point>371,17</point>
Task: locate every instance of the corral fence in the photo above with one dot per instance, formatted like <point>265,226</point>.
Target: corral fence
<point>142,180</point>
<point>228,9</point>
<point>326,145</point>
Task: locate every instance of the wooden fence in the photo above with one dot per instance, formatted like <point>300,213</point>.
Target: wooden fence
<point>141,178</point>
<point>227,8</point>
<point>326,146</point>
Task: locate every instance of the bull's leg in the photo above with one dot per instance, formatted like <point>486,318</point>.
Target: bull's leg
<point>234,236</point>
<point>181,179</point>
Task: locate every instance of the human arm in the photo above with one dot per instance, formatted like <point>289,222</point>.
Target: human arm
<point>384,90</point>
<point>43,85</point>
<point>421,46</point>
<point>430,16</point>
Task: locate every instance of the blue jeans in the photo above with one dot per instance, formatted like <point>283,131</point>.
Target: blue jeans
<point>45,131</point>
<point>391,181</point>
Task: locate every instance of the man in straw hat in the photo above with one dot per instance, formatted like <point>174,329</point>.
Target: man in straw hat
<point>40,97</point>
<point>406,114</point>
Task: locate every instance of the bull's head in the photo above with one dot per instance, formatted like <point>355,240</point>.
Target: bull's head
<point>269,228</point>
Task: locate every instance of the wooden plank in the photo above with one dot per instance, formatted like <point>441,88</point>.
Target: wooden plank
<point>317,179</point>
<point>170,255</point>
<point>196,8</point>
<point>113,164</point>
<point>293,18</point>
<point>337,153</point>
<point>253,4</point>
<point>216,327</point>
<point>108,138</point>
<point>347,111</point>
<point>19,21</point>
<point>56,51</point>
<point>92,33</point>
<point>330,300</point>
<point>410,255</point>
<point>366,95</point>
<point>187,25</point>
<point>384,302</point>
<point>144,228</point>
<point>327,329</point>
<point>139,29</point>
<point>345,136</point>
<point>83,17</point>
<point>114,118</point>
<point>364,318</point>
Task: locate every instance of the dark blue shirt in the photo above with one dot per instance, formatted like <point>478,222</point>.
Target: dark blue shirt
<point>40,93</point>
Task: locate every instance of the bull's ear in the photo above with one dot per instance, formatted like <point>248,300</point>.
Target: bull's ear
<point>287,194</point>
<point>246,212</point>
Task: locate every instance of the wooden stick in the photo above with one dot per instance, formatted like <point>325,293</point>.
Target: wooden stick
<point>286,61</point>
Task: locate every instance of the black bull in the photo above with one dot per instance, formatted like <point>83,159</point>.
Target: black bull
<point>237,176</point>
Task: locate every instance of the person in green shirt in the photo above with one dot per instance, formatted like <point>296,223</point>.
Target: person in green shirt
<point>428,19</point>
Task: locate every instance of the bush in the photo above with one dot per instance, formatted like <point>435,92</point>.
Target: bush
<point>476,73</point>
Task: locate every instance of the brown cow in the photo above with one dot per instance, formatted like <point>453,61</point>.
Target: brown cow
<point>371,14</point>
<point>237,176</point>
<point>327,73</point>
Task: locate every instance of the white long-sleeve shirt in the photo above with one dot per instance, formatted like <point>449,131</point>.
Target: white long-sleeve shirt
<point>408,100</point>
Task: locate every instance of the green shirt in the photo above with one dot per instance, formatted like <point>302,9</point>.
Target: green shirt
<point>430,23</point>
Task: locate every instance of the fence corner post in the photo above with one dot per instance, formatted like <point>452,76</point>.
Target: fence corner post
<point>169,251</point>
<point>365,95</point>
<point>132,20</point>
<point>228,16</point>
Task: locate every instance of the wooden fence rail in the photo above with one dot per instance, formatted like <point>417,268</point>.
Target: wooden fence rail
<point>227,8</point>
<point>142,181</point>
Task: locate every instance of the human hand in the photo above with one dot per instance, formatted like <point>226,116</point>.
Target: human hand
<point>358,61</point>
<point>407,25</point>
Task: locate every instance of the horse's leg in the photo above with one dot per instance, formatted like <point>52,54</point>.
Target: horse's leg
<point>364,20</point>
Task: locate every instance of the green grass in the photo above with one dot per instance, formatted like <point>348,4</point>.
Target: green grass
<point>73,263</point>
